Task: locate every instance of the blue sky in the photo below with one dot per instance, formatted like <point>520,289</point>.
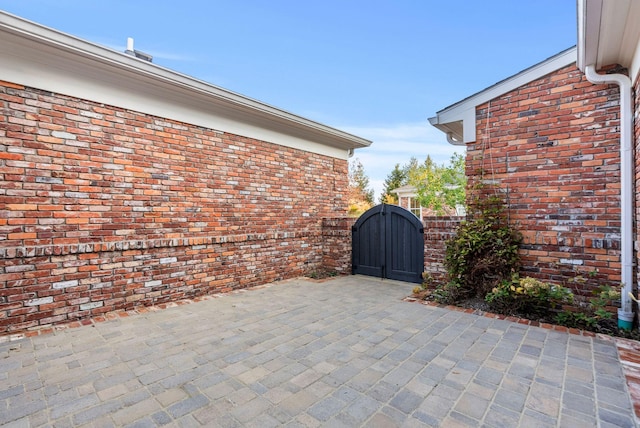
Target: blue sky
<point>376,68</point>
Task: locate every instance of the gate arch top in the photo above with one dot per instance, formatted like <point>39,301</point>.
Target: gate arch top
<point>384,209</point>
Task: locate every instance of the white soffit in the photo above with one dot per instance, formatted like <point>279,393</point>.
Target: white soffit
<point>619,32</point>
<point>39,57</point>
<point>609,33</point>
<point>459,119</point>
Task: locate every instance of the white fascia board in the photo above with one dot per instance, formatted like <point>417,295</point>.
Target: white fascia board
<point>465,111</point>
<point>588,16</point>
<point>36,56</point>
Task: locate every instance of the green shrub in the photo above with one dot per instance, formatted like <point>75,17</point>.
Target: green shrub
<point>527,296</point>
<point>593,314</point>
<point>447,293</point>
<point>484,250</point>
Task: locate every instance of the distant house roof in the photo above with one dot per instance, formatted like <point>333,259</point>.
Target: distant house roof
<point>405,191</point>
<point>458,120</point>
<point>40,57</point>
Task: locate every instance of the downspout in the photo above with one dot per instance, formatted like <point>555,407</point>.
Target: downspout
<point>626,177</point>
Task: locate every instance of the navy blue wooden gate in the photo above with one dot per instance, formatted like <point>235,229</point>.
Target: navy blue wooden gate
<point>388,242</point>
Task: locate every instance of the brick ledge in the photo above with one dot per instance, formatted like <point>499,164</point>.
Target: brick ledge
<point>142,244</point>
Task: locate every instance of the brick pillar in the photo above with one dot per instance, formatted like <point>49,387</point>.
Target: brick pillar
<point>437,230</point>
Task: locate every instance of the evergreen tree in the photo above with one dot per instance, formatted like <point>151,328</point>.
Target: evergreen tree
<point>412,171</point>
<point>360,193</point>
<point>395,179</point>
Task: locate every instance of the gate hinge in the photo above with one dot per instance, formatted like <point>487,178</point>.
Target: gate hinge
<point>422,230</point>
<point>354,228</point>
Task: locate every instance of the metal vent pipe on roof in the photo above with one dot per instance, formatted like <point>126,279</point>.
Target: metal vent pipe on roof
<point>129,45</point>
<point>131,51</point>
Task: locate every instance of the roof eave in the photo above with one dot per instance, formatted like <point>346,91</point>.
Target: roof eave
<point>453,130</point>
<point>86,51</point>
<point>464,111</point>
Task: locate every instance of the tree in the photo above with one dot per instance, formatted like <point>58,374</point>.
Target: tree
<point>395,179</point>
<point>441,187</point>
<point>360,193</point>
<point>414,171</point>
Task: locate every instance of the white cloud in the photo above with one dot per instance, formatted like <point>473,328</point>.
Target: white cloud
<point>396,144</point>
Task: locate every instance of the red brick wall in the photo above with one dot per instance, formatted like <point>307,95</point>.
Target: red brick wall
<point>404,203</point>
<point>104,209</point>
<point>336,244</point>
<point>552,146</point>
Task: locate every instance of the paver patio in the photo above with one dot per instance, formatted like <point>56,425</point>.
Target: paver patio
<point>345,352</point>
